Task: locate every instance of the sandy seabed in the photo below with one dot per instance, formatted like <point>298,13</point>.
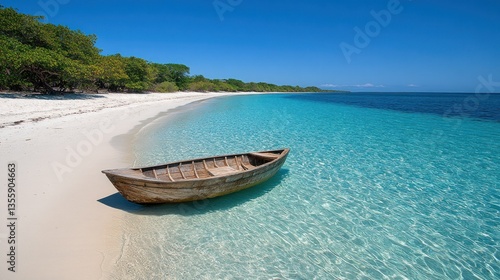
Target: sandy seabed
<point>59,145</point>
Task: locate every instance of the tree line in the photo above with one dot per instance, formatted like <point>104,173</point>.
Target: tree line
<point>49,58</point>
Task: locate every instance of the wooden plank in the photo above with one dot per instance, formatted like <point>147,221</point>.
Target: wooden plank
<point>180,170</point>
<point>195,172</point>
<point>268,156</point>
<point>237,163</point>
<point>246,166</point>
<point>222,171</point>
<point>154,173</point>
<point>170,176</point>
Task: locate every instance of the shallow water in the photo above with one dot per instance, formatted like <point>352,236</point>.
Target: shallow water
<point>367,192</point>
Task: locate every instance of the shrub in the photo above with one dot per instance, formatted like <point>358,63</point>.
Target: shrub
<point>203,86</point>
<point>166,87</point>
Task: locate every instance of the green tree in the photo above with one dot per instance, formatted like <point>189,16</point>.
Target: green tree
<point>111,73</point>
<point>166,87</point>
<point>138,72</point>
<point>198,78</point>
<point>237,84</point>
<point>23,28</point>
<point>312,89</point>
<point>179,75</point>
<point>163,73</point>
<point>176,73</point>
<point>203,86</point>
<point>72,44</point>
<point>10,64</point>
<point>47,57</point>
<point>222,85</point>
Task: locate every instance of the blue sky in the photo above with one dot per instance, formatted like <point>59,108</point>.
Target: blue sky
<point>359,45</point>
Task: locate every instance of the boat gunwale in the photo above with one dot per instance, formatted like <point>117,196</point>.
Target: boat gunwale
<point>113,172</point>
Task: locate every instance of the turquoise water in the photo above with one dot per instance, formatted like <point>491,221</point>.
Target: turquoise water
<point>366,193</point>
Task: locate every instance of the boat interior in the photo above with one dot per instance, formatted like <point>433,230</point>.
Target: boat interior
<point>206,168</point>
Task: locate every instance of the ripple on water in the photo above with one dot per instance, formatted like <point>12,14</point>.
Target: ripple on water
<point>364,194</point>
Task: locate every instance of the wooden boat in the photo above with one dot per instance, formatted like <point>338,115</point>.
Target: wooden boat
<point>196,179</point>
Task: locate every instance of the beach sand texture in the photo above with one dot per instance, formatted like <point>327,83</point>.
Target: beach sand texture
<point>59,145</point>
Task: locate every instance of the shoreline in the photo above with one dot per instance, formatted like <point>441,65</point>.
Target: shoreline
<point>64,228</point>
<point>18,108</point>
<point>126,141</point>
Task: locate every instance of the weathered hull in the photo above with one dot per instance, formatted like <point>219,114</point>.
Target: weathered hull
<point>148,191</point>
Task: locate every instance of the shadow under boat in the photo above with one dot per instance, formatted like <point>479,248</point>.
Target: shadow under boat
<point>196,207</point>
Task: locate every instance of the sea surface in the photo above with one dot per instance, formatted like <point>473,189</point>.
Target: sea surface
<point>377,186</point>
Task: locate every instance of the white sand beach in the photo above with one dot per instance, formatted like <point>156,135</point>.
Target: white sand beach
<point>59,145</point>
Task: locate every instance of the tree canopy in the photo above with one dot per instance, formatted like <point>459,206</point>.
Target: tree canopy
<point>48,58</point>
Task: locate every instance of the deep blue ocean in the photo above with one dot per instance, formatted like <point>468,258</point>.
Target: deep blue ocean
<point>377,186</point>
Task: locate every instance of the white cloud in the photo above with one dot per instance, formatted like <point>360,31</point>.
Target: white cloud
<point>367,85</point>
<point>412,85</point>
<point>331,85</point>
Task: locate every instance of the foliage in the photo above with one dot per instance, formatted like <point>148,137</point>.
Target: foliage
<point>44,57</point>
<point>166,87</point>
<point>176,73</point>
<point>10,64</point>
<point>179,74</point>
<point>139,73</point>
<point>202,86</point>
<point>110,73</point>
<point>237,84</point>
<point>222,85</point>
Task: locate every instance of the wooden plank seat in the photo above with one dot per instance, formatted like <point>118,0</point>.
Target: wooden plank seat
<point>267,156</point>
<point>222,171</point>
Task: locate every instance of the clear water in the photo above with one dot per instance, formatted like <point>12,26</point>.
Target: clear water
<point>368,192</point>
